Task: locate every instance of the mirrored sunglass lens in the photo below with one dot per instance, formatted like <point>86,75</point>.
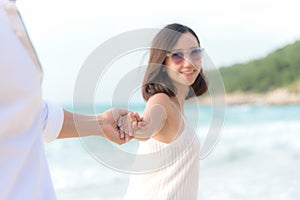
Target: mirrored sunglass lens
<point>177,57</point>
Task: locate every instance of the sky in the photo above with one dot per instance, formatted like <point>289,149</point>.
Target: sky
<point>65,33</point>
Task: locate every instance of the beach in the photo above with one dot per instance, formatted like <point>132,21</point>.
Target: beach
<point>256,157</point>
<point>280,96</point>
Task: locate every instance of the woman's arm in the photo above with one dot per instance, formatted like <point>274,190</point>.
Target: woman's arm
<point>154,117</point>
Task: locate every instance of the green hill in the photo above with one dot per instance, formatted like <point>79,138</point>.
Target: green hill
<point>280,68</point>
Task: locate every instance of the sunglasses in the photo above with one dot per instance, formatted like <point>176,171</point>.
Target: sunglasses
<point>178,56</point>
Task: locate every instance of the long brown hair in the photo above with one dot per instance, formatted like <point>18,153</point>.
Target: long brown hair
<point>156,79</point>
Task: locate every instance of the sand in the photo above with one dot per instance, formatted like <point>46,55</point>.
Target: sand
<point>281,96</point>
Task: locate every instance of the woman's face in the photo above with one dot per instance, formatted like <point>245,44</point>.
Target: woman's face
<point>183,63</point>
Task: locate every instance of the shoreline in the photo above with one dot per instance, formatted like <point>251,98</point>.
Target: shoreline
<point>280,96</point>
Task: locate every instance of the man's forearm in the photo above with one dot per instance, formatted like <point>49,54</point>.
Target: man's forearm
<point>79,125</point>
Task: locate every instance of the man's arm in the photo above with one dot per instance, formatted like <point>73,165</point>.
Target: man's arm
<point>79,125</point>
<point>59,124</point>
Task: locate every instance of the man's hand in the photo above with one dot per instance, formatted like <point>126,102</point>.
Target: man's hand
<point>130,123</point>
<point>108,124</point>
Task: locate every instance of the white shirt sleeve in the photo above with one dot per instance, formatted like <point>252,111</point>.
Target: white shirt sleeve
<point>53,118</point>
<point>24,172</point>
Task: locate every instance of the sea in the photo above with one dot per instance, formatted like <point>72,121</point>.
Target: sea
<point>255,156</point>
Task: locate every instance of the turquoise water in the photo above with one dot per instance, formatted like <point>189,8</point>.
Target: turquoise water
<point>256,157</point>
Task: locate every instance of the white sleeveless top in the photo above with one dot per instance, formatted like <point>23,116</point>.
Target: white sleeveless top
<point>179,179</point>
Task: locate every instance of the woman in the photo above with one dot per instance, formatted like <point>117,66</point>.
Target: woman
<point>174,74</point>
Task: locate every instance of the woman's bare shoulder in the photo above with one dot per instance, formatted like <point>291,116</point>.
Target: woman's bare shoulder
<point>160,98</point>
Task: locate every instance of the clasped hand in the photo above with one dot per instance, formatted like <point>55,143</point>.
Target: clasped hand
<point>130,126</point>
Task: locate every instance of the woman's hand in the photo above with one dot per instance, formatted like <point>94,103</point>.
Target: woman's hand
<point>129,124</point>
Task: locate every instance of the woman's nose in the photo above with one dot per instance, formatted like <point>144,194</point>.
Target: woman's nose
<point>186,61</point>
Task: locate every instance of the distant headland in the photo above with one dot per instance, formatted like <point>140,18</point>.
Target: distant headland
<point>273,79</point>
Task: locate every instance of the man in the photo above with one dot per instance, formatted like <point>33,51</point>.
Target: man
<point>26,120</point>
